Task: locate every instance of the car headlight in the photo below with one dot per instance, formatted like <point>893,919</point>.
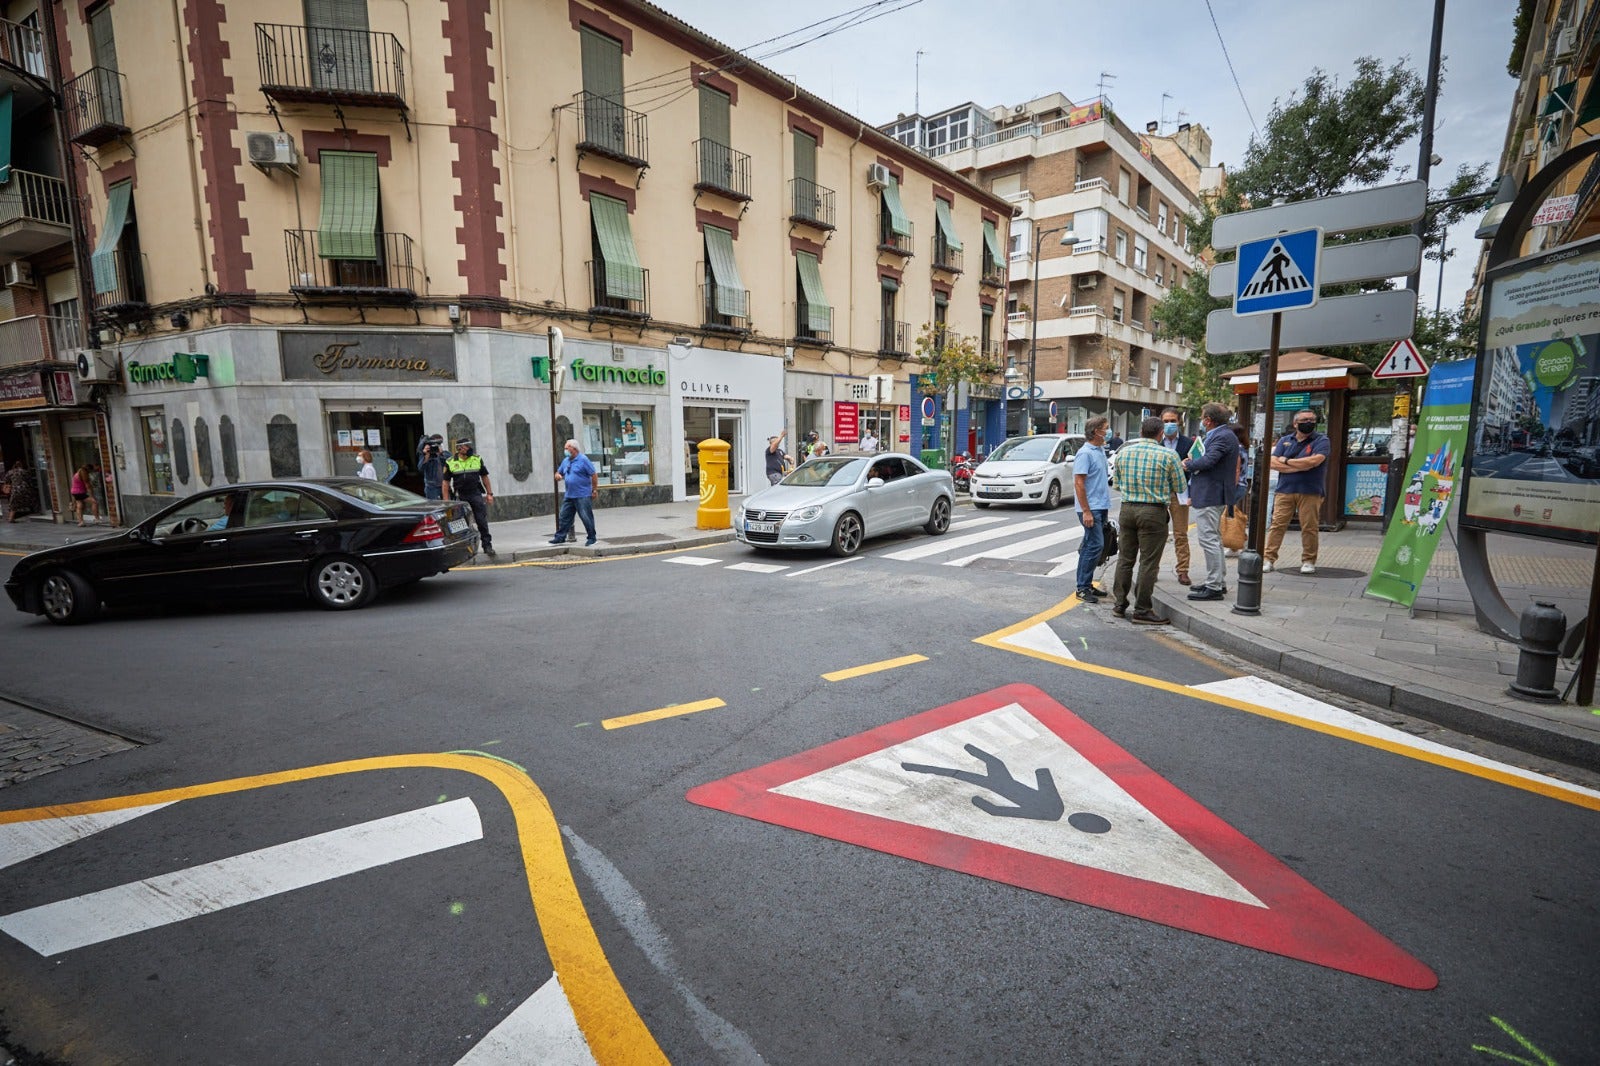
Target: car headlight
<point>805,514</point>
<point>1033,479</point>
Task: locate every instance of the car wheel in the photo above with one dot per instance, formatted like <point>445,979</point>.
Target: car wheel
<point>980,505</point>
<point>1052,498</point>
<point>67,599</point>
<point>342,584</point>
<point>847,535</point>
<point>939,517</point>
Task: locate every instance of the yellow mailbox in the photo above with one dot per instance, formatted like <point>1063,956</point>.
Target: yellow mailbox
<point>713,512</point>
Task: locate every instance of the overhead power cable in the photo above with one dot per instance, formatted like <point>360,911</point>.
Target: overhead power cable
<point>1231,71</point>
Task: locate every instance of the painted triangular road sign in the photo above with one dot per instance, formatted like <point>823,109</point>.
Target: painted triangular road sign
<point>1403,361</point>
<point>1012,786</point>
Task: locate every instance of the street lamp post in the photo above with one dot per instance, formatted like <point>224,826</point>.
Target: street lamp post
<point>1068,239</point>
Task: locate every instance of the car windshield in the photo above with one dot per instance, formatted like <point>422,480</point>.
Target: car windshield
<point>1026,448</point>
<point>830,470</point>
<point>378,493</point>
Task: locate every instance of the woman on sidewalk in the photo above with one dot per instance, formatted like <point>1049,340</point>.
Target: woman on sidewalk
<point>83,493</point>
<point>23,495</point>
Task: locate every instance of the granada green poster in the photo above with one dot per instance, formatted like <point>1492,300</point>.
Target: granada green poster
<point>1430,482</point>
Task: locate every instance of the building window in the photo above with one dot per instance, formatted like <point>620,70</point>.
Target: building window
<point>340,47</point>
<point>727,301</point>
<point>619,280</point>
<point>814,318</point>
<point>115,259</point>
<point>1160,271</point>
<point>985,331</point>
<point>1161,217</point>
<point>1168,371</point>
<point>350,220</point>
<point>617,441</point>
<point>1172,275</point>
<point>894,225</point>
<point>1122,247</point>
<point>157,464</point>
<point>1141,253</point>
<point>1117,305</point>
<point>1124,180</point>
<point>604,120</point>
<point>1019,238</point>
<point>1155,374</point>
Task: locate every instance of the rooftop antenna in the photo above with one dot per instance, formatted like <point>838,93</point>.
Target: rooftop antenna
<point>917,95</point>
<point>1162,125</point>
<point>1104,77</point>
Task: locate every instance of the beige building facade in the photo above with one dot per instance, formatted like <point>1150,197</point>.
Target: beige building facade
<point>315,226</point>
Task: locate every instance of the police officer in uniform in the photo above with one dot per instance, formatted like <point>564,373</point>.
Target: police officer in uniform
<point>466,479</point>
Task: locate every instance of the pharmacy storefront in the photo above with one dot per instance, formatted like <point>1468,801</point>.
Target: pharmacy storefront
<point>733,396</point>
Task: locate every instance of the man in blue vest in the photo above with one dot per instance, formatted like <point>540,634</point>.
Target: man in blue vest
<point>577,476</point>
<point>467,480</point>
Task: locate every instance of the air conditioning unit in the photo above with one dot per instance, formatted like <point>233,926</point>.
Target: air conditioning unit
<point>272,151</point>
<point>1089,281</point>
<point>18,273</point>
<point>878,175</point>
<point>96,367</point>
<point>1019,109</point>
<point>1566,42</point>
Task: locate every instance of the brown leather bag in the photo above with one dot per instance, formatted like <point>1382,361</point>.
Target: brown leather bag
<point>1233,528</point>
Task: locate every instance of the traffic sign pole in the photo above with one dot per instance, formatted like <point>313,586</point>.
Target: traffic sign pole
<point>1248,597</point>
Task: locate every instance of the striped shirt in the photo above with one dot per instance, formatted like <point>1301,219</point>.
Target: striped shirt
<point>1148,473</point>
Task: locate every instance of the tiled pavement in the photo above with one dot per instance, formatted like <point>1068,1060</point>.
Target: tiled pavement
<point>33,743</point>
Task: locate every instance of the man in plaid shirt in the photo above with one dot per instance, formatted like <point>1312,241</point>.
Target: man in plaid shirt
<point>1149,478</point>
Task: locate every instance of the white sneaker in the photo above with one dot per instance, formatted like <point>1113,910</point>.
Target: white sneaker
<point>1267,567</point>
<point>1308,568</point>
<point>1231,553</point>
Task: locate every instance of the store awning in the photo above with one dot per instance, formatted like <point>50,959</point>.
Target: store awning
<point>103,260</point>
<point>348,225</point>
<point>947,225</point>
<point>1589,110</point>
<point>991,240</point>
<point>728,297</point>
<point>1560,99</point>
<point>819,314</point>
<point>624,276</point>
<point>897,212</point>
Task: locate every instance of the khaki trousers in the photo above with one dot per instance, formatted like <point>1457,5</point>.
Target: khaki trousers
<point>1286,505</point>
<point>1180,534</point>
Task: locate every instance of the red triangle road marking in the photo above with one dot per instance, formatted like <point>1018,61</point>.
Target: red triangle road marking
<point>1133,844</point>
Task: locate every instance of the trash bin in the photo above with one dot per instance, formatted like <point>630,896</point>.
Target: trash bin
<point>932,458</point>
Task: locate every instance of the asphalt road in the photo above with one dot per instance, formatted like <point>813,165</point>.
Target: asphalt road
<point>726,938</point>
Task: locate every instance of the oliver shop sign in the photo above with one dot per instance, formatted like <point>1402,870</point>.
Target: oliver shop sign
<point>317,356</point>
<point>620,375</point>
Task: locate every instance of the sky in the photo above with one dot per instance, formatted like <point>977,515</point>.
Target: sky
<point>1008,51</point>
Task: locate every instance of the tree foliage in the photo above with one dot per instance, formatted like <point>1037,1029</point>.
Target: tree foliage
<point>949,360</point>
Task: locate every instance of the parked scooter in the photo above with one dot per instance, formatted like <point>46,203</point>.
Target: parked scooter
<point>961,471</point>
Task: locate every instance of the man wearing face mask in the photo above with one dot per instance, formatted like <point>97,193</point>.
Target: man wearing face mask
<point>1176,441</point>
<point>1300,458</point>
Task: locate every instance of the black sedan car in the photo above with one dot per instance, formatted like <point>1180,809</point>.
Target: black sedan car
<point>337,540</point>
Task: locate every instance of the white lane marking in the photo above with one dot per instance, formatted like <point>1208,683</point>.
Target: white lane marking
<point>1021,547</point>
<point>542,1029</point>
<point>693,560</point>
<point>213,886</point>
<point>1039,638</point>
<point>1068,564</point>
<point>1286,701</point>
<point>824,566</point>
<point>937,545</point>
<point>24,840</point>
<point>759,568</point>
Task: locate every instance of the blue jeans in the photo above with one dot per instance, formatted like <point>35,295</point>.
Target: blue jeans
<point>430,490</point>
<point>1094,540</point>
<point>581,507</point>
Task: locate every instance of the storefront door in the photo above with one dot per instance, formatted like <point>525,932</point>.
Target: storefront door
<point>34,453</point>
<point>730,427</point>
<point>83,446</point>
<point>723,423</point>
<point>390,435</point>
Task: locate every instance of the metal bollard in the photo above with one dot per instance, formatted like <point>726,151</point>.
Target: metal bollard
<point>1248,583</point>
<point>1542,628</point>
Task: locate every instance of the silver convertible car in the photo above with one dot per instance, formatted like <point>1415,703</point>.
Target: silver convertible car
<point>838,501</point>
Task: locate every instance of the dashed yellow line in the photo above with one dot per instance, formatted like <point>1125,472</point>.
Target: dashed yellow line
<point>873,668</point>
<point>659,713</point>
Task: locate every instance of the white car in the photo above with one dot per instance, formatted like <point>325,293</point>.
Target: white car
<point>1033,470</point>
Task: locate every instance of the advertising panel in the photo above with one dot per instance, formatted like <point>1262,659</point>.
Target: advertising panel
<point>1364,486</point>
<point>1534,463</point>
<point>846,423</point>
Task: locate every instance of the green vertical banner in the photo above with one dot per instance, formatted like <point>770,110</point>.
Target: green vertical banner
<point>1430,480</point>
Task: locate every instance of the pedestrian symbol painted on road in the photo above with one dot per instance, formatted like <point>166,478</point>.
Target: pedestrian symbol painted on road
<point>1011,786</point>
<point>1278,273</point>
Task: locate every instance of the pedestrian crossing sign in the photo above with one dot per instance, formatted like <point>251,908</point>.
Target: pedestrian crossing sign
<point>1278,273</point>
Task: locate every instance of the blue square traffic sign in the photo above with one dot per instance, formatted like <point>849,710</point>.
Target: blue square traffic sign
<point>1278,273</point>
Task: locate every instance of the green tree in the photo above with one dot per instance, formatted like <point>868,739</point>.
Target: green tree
<point>948,361</point>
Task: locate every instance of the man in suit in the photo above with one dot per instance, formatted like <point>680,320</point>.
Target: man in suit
<point>1212,478</point>
<point>1175,440</point>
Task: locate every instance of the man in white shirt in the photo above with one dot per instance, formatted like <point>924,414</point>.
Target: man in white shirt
<point>869,444</point>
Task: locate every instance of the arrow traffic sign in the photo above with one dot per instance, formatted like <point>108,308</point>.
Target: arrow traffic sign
<point>1403,361</point>
<point>1010,785</point>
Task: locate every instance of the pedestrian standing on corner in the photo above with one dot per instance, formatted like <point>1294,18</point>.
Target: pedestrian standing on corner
<point>1113,442</point>
<point>869,443</point>
<point>469,482</point>
<point>577,477</point>
<point>1092,497</point>
<point>775,459</point>
<point>1149,478</point>
<point>1179,443</point>
<point>1300,458</point>
<point>430,464</point>
<point>1212,478</point>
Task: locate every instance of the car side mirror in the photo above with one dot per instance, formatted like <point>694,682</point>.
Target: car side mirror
<point>874,482</point>
<point>141,534</point>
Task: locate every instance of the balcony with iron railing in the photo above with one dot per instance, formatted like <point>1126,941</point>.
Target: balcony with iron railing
<point>726,310</point>
<point>812,203</point>
<point>606,128</point>
<point>39,339</point>
<point>389,277</point>
<point>314,64</point>
<point>93,102</point>
<point>994,274</point>
<point>722,170</point>
<point>22,63</point>
<point>891,241</point>
<point>602,302</point>
<point>945,257</point>
<point>894,338</point>
<point>125,298</point>
<point>34,215</point>
<point>813,325</point>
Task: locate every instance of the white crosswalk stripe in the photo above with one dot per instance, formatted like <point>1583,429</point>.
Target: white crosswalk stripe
<point>1023,547</point>
<point>940,545</point>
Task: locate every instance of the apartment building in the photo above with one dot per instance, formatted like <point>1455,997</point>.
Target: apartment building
<point>311,227</point>
<point>1077,169</point>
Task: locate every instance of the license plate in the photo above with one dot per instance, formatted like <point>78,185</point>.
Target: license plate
<point>458,525</point>
<point>761,527</point>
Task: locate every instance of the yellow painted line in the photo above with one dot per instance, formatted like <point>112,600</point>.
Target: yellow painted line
<point>662,712</point>
<point>613,1029</point>
<point>19,554</point>
<point>996,640</point>
<point>873,668</point>
<point>1196,654</point>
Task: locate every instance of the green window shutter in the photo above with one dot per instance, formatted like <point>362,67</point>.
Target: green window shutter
<point>103,260</point>
<point>897,213</point>
<point>716,123</point>
<point>805,156</point>
<point>348,225</point>
<point>102,40</point>
<point>1591,102</point>
<point>340,50</point>
<point>729,296</point>
<point>991,240</point>
<point>5,136</point>
<point>602,64</point>
<point>624,276</point>
<point>889,284</point>
<point>818,312</point>
<point>947,225</point>
<point>1559,100</point>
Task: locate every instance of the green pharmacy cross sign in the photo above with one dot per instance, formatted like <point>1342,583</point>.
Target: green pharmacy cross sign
<point>183,366</point>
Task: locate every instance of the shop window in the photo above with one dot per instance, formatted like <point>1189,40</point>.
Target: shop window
<point>202,451</point>
<point>283,446</point>
<point>351,432</point>
<point>157,464</point>
<point>617,441</point>
<point>179,450</point>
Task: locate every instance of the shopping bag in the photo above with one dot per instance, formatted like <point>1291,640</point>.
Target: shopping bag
<point>1233,528</point>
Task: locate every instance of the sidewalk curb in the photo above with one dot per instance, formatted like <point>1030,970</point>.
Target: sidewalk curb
<point>581,552</point>
<point>1550,740</point>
